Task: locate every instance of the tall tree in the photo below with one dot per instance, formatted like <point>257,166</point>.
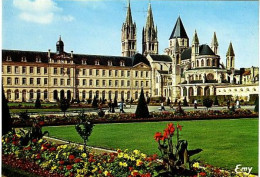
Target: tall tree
<point>64,104</point>
<point>6,118</point>
<point>142,108</point>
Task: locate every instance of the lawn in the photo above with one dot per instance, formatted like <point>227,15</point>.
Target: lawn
<point>56,110</point>
<point>225,143</point>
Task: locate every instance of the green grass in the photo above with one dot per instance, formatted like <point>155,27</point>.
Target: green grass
<point>56,110</point>
<point>30,104</point>
<point>225,143</point>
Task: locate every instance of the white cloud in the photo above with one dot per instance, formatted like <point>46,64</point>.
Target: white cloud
<point>40,11</point>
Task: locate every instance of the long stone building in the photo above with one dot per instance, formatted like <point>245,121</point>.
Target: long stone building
<point>182,71</point>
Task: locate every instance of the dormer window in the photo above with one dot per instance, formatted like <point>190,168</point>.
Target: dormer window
<point>23,59</point>
<point>38,59</point>
<point>122,63</point>
<point>84,61</point>
<point>109,63</point>
<point>96,62</point>
<point>8,58</point>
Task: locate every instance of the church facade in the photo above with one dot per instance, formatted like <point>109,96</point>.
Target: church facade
<point>182,71</point>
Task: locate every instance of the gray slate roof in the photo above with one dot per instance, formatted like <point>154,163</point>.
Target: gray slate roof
<point>161,58</point>
<point>203,50</point>
<point>178,30</point>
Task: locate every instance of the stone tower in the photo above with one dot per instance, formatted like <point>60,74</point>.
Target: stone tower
<point>178,33</point>
<point>214,44</point>
<point>230,58</point>
<point>194,49</point>
<point>59,46</point>
<point>149,36</point>
<point>128,38</point>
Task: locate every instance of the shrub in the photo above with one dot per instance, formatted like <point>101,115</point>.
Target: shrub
<point>94,102</point>
<point>256,104</point>
<point>38,103</point>
<point>207,102</point>
<point>216,101</point>
<point>64,104</point>
<point>185,103</point>
<point>168,101</point>
<point>142,108</point>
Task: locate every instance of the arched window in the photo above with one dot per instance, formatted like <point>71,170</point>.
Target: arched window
<point>110,95</point>
<point>210,76</point>
<point>45,95</point>
<point>116,94</point>
<point>122,95</point>
<point>97,94</point>
<point>90,94</point>
<point>23,95</point>
<point>208,62</point>
<point>9,94</point>
<point>55,94</point>
<point>202,62</point>
<point>31,94</point>
<point>128,95</point>
<point>198,63</point>
<point>84,95</point>
<point>136,95</point>
<point>38,94</point>
<point>103,94</point>
<point>16,94</point>
<point>68,95</point>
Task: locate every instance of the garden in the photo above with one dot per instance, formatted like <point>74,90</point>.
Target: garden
<point>166,143</point>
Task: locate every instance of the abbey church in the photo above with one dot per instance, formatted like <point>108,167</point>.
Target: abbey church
<point>187,68</point>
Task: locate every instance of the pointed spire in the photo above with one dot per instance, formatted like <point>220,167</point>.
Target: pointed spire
<point>195,38</point>
<point>214,40</point>
<point>178,30</point>
<point>129,15</point>
<point>149,21</point>
<point>230,51</point>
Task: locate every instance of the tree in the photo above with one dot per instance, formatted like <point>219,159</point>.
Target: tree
<point>148,100</point>
<point>216,101</point>
<point>115,102</point>
<point>142,108</point>
<point>185,103</point>
<point>38,103</point>
<point>64,104</point>
<point>256,105</point>
<point>207,102</point>
<point>6,118</point>
<point>94,102</point>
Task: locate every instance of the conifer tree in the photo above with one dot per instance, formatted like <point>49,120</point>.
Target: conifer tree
<point>185,103</point>
<point>142,108</point>
<point>94,102</point>
<point>38,103</point>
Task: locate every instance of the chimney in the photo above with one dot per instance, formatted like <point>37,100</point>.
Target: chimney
<point>49,53</point>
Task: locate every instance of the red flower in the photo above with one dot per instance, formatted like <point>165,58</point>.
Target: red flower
<point>158,136</point>
<point>171,128</point>
<point>41,123</point>
<point>131,168</point>
<point>135,173</point>
<point>61,162</point>
<point>202,174</point>
<point>179,127</point>
<point>69,167</point>
<point>34,140</point>
<point>61,167</point>
<point>53,149</point>
<point>77,160</point>
<point>71,174</point>
<point>100,172</point>
<point>38,156</point>
<point>15,142</point>
<point>71,157</point>
<point>27,148</point>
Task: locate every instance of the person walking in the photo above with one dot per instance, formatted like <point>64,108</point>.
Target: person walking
<point>228,103</point>
<point>195,104</point>
<point>162,106</point>
<point>121,106</point>
<point>238,103</point>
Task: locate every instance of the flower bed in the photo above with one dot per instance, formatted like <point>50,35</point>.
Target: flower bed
<point>130,117</point>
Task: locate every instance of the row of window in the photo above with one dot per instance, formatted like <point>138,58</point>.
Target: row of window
<point>207,62</point>
<point>240,90</point>
<point>84,82</point>
<point>68,94</point>
<point>63,71</point>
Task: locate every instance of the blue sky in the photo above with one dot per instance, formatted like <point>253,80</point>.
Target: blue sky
<point>94,26</point>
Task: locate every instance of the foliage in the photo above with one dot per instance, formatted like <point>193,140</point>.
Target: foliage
<point>64,104</point>
<point>207,102</point>
<point>185,103</point>
<point>94,102</point>
<point>179,111</point>
<point>38,103</point>
<point>6,117</point>
<point>101,113</point>
<point>142,108</point>
<point>216,101</point>
<point>24,116</point>
<point>256,105</point>
<point>84,129</point>
<point>175,157</point>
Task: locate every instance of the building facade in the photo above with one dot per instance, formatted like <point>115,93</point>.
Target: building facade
<point>182,71</point>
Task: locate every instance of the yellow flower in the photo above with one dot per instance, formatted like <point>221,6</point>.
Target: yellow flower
<point>84,155</point>
<point>196,165</point>
<point>54,168</point>
<point>105,173</point>
<point>94,170</point>
<point>132,173</point>
<point>64,146</point>
<point>137,152</point>
<point>250,175</point>
<point>57,156</point>
<point>126,156</point>
<point>81,148</point>
<point>144,155</point>
<point>18,135</point>
<point>120,155</point>
<point>40,141</point>
<point>132,158</point>
<point>139,162</point>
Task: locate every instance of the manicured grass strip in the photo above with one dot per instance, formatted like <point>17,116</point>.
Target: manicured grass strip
<point>44,110</point>
<point>225,143</point>
<point>31,104</point>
